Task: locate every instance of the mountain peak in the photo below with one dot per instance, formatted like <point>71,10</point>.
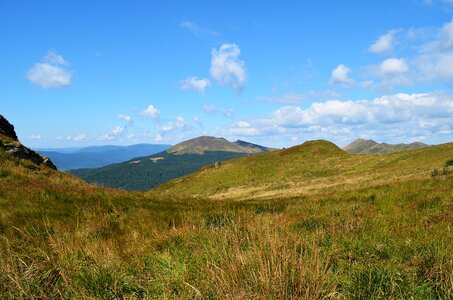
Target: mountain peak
<point>314,148</point>
<point>202,144</point>
<point>369,146</point>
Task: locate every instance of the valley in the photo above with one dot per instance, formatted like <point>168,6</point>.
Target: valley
<point>307,222</point>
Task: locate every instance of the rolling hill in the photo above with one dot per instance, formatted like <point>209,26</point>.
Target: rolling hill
<point>98,156</point>
<point>144,173</point>
<point>334,225</point>
<point>361,146</point>
<point>313,167</point>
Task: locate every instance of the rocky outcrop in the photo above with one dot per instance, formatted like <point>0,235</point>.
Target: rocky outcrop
<point>25,153</point>
<point>11,145</point>
<point>7,129</point>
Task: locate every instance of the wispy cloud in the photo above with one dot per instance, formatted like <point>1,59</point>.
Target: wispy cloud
<point>126,118</point>
<point>297,98</point>
<point>179,124</point>
<point>197,29</point>
<point>212,109</point>
<point>35,136</point>
<point>76,138</point>
<point>116,132</point>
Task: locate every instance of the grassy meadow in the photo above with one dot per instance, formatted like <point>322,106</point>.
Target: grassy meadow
<point>319,224</point>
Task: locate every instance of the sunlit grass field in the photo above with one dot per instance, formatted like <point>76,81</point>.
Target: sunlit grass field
<point>312,230</point>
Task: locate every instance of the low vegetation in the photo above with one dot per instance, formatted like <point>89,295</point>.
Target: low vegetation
<point>385,238</point>
<point>145,173</point>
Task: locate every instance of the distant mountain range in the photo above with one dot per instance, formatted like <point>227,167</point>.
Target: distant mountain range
<point>98,156</point>
<point>146,172</point>
<point>361,146</point>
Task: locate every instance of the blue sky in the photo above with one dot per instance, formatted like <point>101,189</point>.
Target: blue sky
<point>276,73</point>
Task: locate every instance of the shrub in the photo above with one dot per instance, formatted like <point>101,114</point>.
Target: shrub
<point>449,163</point>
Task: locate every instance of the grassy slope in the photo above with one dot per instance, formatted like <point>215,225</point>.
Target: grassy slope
<point>61,238</point>
<point>142,174</point>
<point>314,167</point>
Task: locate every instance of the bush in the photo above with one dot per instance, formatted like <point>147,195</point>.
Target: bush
<point>449,163</point>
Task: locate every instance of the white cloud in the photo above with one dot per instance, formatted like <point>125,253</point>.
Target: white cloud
<point>394,65</point>
<point>292,98</point>
<point>197,29</point>
<point>211,109</point>
<point>195,84</point>
<point>76,138</point>
<point>158,138</point>
<point>429,59</point>
<point>126,118</point>
<point>384,44</point>
<point>35,136</point>
<point>51,72</point>
<point>151,111</point>
<point>179,124</point>
<point>243,128</point>
<point>198,121</point>
<point>227,68</point>
<point>340,75</point>
<point>117,131</point>
<point>399,117</point>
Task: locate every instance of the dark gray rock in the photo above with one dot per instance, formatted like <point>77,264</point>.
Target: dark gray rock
<point>6,128</point>
<point>18,150</point>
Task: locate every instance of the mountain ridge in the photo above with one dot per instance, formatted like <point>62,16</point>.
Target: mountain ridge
<point>144,173</point>
<point>361,146</point>
<point>313,167</point>
<point>99,156</point>
<point>209,143</point>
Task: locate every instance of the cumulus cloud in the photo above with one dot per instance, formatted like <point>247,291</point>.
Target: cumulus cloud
<point>384,43</point>
<point>226,67</point>
<point>126,118</point>
<point>341,75</point>
<point>428,59</point>
<point>197,29</point>
<point>35,136</point>
<point>394,65</point>
<point>51,72</point>
<point>193,83</point>
<point>179,124</point>
<point>151,112</point>
<point>117,131</point>
<point>403,116</point>
<point>435,58</point>
<point>243,128</point>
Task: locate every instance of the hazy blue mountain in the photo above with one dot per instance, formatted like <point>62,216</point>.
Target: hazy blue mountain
<point>98,156</point>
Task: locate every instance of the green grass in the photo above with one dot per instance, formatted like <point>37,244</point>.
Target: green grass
<point>386,239</point>
<point>315,166</point>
